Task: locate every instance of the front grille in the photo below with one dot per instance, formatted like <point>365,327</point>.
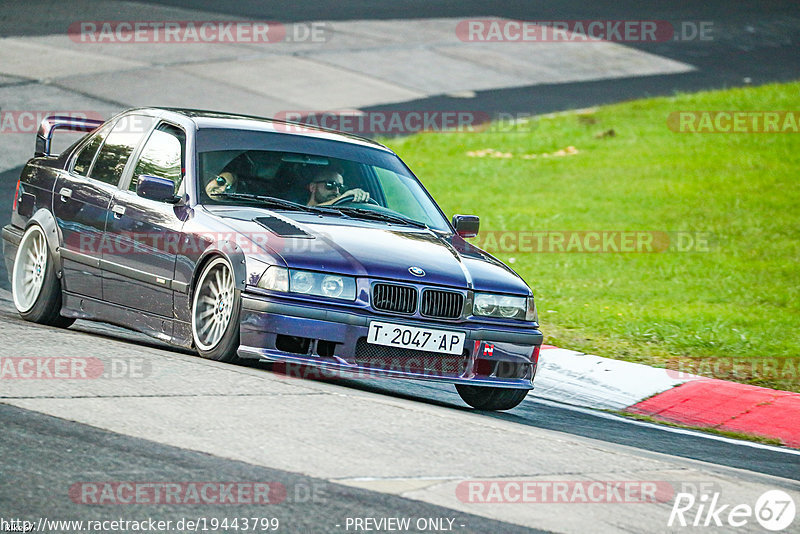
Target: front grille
<point>394,298</point>
<point>410,361</point>
<point>442,304</point>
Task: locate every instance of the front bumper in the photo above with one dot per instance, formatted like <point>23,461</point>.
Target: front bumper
<point>333,342</point>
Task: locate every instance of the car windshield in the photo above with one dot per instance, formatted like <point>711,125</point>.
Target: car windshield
<point>355,189</point>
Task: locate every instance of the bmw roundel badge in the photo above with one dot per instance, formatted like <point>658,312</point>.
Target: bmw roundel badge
<point>416,271</point>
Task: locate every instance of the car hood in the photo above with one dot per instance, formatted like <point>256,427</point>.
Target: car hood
<point>371,249</point>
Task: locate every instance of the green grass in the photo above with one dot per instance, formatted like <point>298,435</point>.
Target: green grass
<point>736,305</point>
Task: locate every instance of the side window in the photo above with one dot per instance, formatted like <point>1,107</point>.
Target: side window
<point>84,160</point>
<point>117,149</point>
<point>162,156</point>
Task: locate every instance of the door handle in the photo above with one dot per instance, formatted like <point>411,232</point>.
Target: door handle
<point>65,193</point>
<point>119,211</point>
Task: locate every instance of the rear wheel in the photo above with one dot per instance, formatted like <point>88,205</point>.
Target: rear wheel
<point>34,286</point>
<point>215,312</point>
<point>490,398</point>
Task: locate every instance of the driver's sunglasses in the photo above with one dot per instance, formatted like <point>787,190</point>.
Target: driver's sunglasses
<point>222,181</point>
<point>331,185</point>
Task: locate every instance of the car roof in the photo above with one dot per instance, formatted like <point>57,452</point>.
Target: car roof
<point>219,119</point>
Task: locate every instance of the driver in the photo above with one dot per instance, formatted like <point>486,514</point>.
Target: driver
<point>224,182</point>
<point>325,187</point>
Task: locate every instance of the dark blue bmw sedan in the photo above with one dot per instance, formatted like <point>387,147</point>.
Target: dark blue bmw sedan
<point>246,238</point>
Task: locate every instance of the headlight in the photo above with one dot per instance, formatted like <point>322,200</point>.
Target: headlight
<point>504,306</point>
<point>509,306</point>
<point>333,286</point>
<point>485,304</point>
<point>308,283</point>
<point>301,282</point>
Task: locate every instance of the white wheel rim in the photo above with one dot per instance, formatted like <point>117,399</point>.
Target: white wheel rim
<point>212,307</point>
<point>30,267</point>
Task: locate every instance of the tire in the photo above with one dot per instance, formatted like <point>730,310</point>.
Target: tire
<point>216,306</point>
<point>35,288</point>
<point>489,398</point>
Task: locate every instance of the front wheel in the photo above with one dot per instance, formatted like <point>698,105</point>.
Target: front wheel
<point>490,398</point>
<point>34,286</point>
<point>215,312</point>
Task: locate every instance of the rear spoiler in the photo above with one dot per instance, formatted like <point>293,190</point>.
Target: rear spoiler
<point>57,122</point>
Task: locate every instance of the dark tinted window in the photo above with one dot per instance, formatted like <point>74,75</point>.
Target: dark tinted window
<point>162,156</point>
<point>118,147</point>
<point>84,160</point>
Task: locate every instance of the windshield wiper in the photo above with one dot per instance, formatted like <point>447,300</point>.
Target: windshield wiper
<point>380,216</point>
<point>276,202</point>
<point>362,213</point>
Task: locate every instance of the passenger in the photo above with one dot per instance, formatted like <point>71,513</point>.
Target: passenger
<point>324,189</point>
<point>251,172</point>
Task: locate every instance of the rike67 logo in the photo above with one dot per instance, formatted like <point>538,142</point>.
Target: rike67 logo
<point>774,510</point>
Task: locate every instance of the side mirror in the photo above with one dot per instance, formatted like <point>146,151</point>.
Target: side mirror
<point>466,225</point>
<point>155,188</point>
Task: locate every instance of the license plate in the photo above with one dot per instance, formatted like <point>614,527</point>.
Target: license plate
<point>411,337</point>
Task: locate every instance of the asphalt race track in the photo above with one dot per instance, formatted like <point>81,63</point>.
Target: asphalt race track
<point>374,449</point>
<point>51,454</point>
<point>343,450</point>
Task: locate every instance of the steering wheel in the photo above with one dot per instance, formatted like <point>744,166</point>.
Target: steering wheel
<point>349,200</point>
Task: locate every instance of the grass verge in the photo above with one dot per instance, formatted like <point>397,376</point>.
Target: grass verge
<point>720,299</point>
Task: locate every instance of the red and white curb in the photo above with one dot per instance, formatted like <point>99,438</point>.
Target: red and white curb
<point>585,380</point>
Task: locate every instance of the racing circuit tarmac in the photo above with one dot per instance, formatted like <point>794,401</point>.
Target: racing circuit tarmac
<point>405,450</point>
<point>356,449</point>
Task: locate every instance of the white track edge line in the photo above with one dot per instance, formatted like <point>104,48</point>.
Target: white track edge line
<point>674,430</point>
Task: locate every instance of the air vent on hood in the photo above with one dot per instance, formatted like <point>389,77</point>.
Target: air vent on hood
<point>282,228</point>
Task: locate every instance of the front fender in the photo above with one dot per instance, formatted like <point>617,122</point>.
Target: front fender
<point>246,268</point>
